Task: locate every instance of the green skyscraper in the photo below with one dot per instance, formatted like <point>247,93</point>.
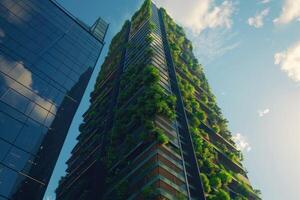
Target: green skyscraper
<point>154,130</point>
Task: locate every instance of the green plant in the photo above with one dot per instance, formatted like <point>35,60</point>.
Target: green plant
<point>149,38</point>
<point>244,189</point>
<point>205,182</point>
<point>181,196</point>
<point>225,177</point>
<point>215,182</point>
<point>152,26</point>
<point>148,193</point>
<point>141,15</point>
<point>239,197</point>
<point>162,138</point>
<point>121,191</point>
<point>216,128</point>
<point>221,195</point>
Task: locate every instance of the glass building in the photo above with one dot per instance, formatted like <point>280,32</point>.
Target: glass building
<point>47,57</point>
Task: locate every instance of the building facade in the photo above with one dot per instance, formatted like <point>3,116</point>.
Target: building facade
<point>47,57</point>
<point>154,130</point>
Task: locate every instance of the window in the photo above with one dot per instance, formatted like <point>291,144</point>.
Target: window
<point>16,100</point>
<point>30,137</point>
<point>4,147</point>
<point>3,89</point>
<point>17,159</point>
<point>7,180</point>
<point>49,119</point>
<point>39,114</point>
<point>9,127</point>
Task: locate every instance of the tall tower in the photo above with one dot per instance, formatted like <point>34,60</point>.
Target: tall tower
<point>154,130</point>
<point>47,57</point>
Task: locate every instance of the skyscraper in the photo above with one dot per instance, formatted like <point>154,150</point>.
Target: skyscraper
<point>46,59</point>
<point>154,130</point>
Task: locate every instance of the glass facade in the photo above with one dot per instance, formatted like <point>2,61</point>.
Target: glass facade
<point>46,60</point>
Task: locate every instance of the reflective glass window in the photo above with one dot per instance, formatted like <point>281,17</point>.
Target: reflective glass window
<point>49,119</point>
<point>9,127</point>
<point>16,100</point>
<point>39,114</point>
<point>8,179</point>
<point>13,113</point>
<point>3,89</point>
<point>4,147</point>
<point>17,159</point>
<point>30,137</point>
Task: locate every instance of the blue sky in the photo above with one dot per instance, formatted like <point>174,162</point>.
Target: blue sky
<point>251,55</point>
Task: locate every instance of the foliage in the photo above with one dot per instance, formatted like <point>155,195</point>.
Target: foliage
<point>215,182</point>
<point>216,128</point>
<point>201,108</point>
<point>225,177</point>
<point>239,197</point>
<point>221,195</point>
<point>162,138</point>
<point>244,189</point>
<point>205,182</point>
<point>121,191</point>
<point>148,193</point>
<point>180,196</point>
<point>141,15</point>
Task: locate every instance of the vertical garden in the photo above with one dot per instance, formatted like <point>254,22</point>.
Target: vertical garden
<point>222,174</point>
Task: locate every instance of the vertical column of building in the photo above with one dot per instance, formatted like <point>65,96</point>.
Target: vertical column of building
<point>149,163</point>
<point>206,141</point>
<point>194,183</point>
<point>83,165</point>
<point>169,126</point>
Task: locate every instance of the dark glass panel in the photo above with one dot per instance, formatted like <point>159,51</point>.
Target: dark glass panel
<point>39,114</point>
<point>30,137</point>
<point>8,179</point>
<point>9,127</point>
<point>16,100</point>
<point>17,159</point>
<point>12,112</point>
<point>4,147</point>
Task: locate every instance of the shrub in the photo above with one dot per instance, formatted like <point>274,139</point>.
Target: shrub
<point>244,189</point>
<point>148,193</point>
<point>205,182</point>
<point>161,137</point>
<point>239,197</point>
<point>225,177</point>
<point>215,182</point>
<point>151,75</point>
<point>222,195</point>
<point>201,115</point>
<point>216,128</point>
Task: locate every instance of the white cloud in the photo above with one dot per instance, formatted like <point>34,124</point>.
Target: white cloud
<point>198,15</point>
<point>289,60</point>
<point>265,1</point>
<point>207,24</point>
<point>213,43</point>
<point>264,112</point>
<point>24,76</point>
<point>290,11</point>
<point>241,142</point>
<point>16,10</point>
<point>223,93</point>
<point>258,20</point>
